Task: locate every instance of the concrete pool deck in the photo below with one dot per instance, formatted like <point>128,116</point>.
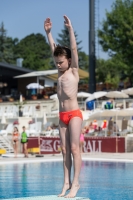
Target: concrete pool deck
<point>51,197</point>
<point>111,157</point>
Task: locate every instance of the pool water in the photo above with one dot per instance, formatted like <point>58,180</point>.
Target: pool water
<point>98,180</point>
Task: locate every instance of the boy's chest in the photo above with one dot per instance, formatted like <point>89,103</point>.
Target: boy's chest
<point>67,80</point>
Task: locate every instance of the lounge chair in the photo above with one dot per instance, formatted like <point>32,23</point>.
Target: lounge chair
<point>35,129</point>
<point>104,127</point>
<point>55,132</point>
<point>48,133</point>
<point>9,129</point>
<point>29,111</point>
<point>2,110</point>
<point>11,111</point>
<point>124,129</point>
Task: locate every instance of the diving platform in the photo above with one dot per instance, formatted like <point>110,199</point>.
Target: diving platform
<point>50,197</point>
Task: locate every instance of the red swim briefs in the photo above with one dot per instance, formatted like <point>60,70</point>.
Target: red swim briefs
<point>65,117</point>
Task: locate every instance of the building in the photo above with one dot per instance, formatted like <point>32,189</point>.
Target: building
<point>47,78</point>
<point>14,79</point>
<point>9,85</point>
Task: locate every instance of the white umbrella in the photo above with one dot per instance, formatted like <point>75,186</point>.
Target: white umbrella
<point>128,91</point>
<point>3,120</point>
<point>83,94</point>
<point>116,94</point>
<point>125,112</point>
<point>44,118</point>
<point>21,99</point>
<point>34,86</point>
<point>109,113</point>
<point>54,96</point>
<point>96,95</point>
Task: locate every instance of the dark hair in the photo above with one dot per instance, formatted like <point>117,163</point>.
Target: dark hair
<point>62,51</point>
<point>16,128</point>
<point>23,127</point>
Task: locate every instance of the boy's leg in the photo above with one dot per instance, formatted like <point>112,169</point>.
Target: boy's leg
<point>66,152</point>
<point>25,149</point>
<point>75,131</point>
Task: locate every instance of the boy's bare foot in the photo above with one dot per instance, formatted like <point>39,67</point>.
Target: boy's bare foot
<point>66,187</point>
<point>73,191</point>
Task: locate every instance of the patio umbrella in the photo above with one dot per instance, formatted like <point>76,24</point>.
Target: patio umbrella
<point>83,94</point>
<point>128,91</point>
<point>3,120</point>
<point>21,99</point>
<point>44,118</point>
<point>96,95</point>
<point>103,113</point>
<point>34,86</point>
<point>54,96</point>
<point>117,94</point>
<point>125,112</point>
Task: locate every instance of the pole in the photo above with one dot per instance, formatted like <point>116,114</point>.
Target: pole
<point>92,81</point>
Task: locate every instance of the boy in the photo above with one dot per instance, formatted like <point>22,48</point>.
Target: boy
<point>70,123</point>
<point>24,141</point>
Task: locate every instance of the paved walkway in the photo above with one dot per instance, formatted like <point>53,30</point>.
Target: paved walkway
<point>116,157</point>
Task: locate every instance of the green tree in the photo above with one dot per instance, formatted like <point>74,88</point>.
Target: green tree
<point>6,46</point>
<point>116,35</point>
<point>109,71</point>
<point>64,40</point>
<point>83,60</point>
<point>35,51</point>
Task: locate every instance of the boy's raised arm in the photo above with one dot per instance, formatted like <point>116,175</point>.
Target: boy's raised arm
<point>73,45</point>
<point>47,27</point>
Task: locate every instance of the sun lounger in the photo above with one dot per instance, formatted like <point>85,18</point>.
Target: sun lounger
<point>124,129</point>
<point>9,129</point>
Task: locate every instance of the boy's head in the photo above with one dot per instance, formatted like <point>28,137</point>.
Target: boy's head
<point>62,56</point>
<point>23,128</point>
<point>62,51</point>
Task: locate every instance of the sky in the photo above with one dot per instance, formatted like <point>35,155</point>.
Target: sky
<point>24,17</point>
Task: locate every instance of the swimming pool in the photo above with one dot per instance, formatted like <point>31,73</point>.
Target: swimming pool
<point>98,180</point>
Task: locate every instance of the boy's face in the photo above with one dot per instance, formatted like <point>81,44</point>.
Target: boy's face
<point>62,63</point>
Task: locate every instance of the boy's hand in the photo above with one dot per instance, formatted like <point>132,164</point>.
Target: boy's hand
<point>47,25</point>
<point>67,22</point>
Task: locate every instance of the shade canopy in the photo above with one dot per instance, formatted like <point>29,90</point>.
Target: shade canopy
<point>128,91</point>
<point>21,98</point>
<point>54,96</point>
<point>96,95</point>
<point>116,94</point>
<point>83,94</point>
<point>52,74</point>
<point>34,86</point>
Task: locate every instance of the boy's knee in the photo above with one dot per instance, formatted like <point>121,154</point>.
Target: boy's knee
<point>74,149</point>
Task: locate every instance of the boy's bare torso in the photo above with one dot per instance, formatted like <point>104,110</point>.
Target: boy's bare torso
<point>67,87</point>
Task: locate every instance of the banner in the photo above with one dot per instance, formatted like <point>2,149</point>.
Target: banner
<point>51,145</point>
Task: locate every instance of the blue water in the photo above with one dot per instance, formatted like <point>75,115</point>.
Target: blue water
<point>98,180</point>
